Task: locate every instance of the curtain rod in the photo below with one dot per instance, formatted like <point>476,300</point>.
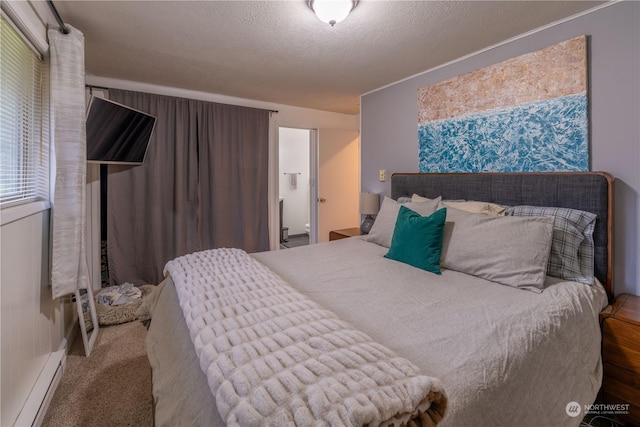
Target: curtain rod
<point>106,88</point>
<point>63,27</point>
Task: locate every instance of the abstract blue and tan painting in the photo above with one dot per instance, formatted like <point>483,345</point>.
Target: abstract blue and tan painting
<point>526,114</point>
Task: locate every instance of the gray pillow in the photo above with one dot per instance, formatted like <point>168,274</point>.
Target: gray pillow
<point>382,229</point>
<point>509,250</point>
<point>572,248</point>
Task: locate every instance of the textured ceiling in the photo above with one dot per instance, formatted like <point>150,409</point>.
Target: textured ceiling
<point>278,51</point>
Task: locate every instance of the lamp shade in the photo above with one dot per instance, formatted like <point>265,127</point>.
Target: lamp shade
<point>332,11</point>
<point>369,203</point>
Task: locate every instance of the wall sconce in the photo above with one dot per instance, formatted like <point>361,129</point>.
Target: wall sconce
<point>332,11</point>
<point>369,205</point>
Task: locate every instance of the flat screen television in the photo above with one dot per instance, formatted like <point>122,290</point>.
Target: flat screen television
<point>117,134</point>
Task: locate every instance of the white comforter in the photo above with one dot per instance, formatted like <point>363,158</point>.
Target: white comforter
<point>273,357</point>
<point>506,357</point>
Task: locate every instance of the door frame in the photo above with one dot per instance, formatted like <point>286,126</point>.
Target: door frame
<point>274,184</point>
<point>313,186</point>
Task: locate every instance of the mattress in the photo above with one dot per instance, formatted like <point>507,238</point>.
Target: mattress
<point>505,356</point>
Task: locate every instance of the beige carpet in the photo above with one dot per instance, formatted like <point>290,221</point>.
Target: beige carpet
<point>112,387</point>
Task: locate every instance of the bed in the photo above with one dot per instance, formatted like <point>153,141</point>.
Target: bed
<point>504,355</point>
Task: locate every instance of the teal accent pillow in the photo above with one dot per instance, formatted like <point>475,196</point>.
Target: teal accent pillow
<point>417,239</point>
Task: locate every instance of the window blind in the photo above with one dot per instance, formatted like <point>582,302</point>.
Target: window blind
<point>24,149</point>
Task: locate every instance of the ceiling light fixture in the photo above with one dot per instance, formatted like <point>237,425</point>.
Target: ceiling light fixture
<point>332,11</point>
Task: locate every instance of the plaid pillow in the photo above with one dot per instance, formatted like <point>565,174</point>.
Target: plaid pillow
<point>572,249</point>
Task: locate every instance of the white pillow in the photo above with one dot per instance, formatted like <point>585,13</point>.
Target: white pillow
<point>382,229</point>
<point>416,198</point>
<point>512,253</point>
<point>484,208</point>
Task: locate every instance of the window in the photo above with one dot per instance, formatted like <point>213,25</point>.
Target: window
<point>24,149</point>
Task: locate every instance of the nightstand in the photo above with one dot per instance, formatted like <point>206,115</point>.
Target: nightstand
<point>621,355</point>
<point>344,233</point>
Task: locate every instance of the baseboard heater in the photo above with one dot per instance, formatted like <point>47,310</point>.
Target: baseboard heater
<point>35,408</point>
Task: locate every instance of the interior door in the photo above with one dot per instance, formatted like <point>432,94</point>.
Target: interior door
<point>338,180</point>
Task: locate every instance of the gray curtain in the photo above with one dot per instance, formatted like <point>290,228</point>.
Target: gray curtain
<point>203,185</point>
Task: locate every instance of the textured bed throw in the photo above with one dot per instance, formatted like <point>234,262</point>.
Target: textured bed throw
<point>273,357</point>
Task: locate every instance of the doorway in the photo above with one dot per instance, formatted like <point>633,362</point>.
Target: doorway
<point>318,182</point>
<point>295,187</point>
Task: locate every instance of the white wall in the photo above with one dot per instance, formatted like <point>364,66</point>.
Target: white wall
<point>287,116</point>
<point>33,325</point>
<point>26,310</point>
<point>294,158</point>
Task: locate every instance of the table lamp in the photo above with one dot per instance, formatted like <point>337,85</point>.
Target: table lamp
<point>369,205</point>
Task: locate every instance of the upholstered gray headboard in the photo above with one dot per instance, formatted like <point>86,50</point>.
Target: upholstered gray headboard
<point>587,191</point>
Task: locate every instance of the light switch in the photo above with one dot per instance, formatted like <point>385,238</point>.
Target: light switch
<point>383,175</point>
